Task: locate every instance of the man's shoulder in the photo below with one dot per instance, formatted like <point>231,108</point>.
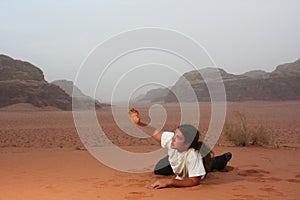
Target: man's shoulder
<point>166,138</point>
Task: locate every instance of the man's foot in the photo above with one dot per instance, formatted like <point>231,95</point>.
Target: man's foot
<point>228,156</point>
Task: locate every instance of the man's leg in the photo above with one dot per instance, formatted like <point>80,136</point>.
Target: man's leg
<point>163,167</point>
<point>220,162</point>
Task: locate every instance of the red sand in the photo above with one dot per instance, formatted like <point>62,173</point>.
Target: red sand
<point>50,167</point>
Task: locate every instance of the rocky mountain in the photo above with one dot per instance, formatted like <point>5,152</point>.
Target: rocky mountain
<point>68,87</point>
<point>19,70</point>
<point>22,82</point>
<point>281,84</point>
<point>154,95</point>
<point>37,93</point>
<point>256,74</point>
<point>82,100</point>
<point>287,70</point>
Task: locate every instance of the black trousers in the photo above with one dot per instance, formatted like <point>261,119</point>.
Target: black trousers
<point>163,167</point>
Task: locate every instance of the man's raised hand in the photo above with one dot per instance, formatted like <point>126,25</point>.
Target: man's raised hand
<point>134,116</point>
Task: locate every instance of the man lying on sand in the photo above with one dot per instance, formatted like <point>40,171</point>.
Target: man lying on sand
<point>188,158</point>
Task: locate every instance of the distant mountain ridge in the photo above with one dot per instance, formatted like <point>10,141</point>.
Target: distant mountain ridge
<point>256,74</point>
<point>19,70</point>
<point>82,100</point>
<point>281,84</point>
<point>22,82</point>
<point>68,87</point>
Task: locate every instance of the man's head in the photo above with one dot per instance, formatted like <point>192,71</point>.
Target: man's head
<point>185,137</point>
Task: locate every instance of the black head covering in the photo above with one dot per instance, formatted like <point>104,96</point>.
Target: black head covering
<point>191,134</point>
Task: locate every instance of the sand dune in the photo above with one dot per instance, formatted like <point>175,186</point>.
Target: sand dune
<point>42,157</point>
<point>254,173</point>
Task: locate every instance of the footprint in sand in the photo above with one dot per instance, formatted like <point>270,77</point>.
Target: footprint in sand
<point>294,180</point>
<point>253,172</point>
<point>267,189</point>
<point>265,179</point>
<point>136,195</point>
<point>271,189</point>
<point>136,183</point>
<point>239,196</point>
<point>100,184</point>
<point>239,188</point>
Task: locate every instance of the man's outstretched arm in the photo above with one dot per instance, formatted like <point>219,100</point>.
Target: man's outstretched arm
<point>162,183</point>
<point>149,130</point>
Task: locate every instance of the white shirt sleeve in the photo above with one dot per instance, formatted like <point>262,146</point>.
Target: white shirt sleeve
<point>166,139</point>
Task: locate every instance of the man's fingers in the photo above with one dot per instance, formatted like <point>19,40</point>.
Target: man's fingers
<point>134,115</point>
<point>132,110</point>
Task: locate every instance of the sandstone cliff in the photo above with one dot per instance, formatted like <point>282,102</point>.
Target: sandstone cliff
<point>22,82</point>
<point>281,84</point>
<point>80,100</point>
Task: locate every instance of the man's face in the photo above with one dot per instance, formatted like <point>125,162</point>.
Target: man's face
<point>178,141</point>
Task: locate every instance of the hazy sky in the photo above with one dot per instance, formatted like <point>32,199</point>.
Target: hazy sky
<point>239,35</point>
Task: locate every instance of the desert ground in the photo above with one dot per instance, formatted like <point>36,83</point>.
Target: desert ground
<point>42,156</point>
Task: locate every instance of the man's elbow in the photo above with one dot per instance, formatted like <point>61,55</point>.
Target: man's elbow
<point>195,180</point>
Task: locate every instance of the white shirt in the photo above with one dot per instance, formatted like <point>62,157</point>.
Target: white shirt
<point>184,164</point>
